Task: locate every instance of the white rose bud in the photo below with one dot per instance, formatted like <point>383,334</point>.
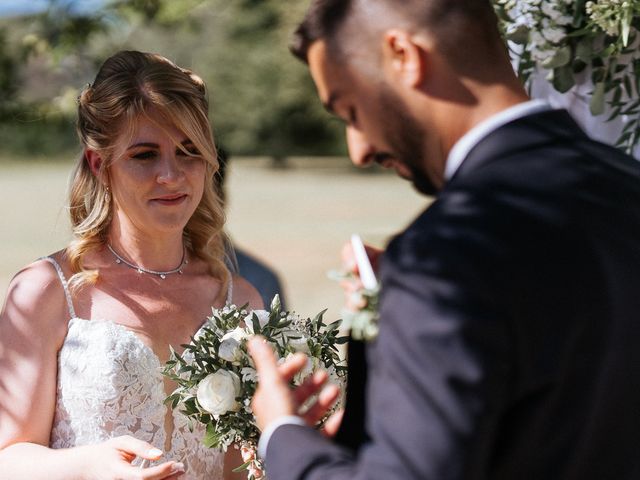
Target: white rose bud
<point>230,346</point>
<point>275,303</point>
<point>249,374</point>
<point>263,319</point>
<point>217,393</point>
<point>297,341</point>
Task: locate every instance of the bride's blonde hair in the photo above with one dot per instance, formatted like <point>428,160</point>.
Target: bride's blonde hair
<point>130,84</point>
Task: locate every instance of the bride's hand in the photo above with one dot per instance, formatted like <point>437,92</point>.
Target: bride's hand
<point>112,459</point>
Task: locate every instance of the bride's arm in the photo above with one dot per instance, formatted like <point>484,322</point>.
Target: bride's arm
<point>32,328</point>
<point>233,459</point>
<point>33,324</point>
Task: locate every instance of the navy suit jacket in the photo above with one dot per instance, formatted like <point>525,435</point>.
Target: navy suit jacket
<point>509,344</point>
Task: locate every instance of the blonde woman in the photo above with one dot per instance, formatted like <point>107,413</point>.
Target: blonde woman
<point>84,332</point>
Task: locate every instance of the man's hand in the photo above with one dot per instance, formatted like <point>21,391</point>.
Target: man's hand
<point>354,301</point>
<point>349,257</point>
<point>274,398</point>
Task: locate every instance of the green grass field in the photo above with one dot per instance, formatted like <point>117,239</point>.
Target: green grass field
<point>295,219</point>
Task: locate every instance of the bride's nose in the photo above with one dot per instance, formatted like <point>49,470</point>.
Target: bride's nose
<point>169,169</point>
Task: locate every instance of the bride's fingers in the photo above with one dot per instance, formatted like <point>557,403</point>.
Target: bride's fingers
<point>312,385</point>
<point>292,365</point>
<point>325,401</point>
<point>331,426</point>
<point>162,472</point>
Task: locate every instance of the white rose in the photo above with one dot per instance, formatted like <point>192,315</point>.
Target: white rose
<point>230,346</point>
<point>308,369</point>
<point>217,393</point>
<point>263,319</point>
<point>297,341</point>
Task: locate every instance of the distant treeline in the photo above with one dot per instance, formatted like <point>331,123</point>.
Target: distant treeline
<point>262,99</point>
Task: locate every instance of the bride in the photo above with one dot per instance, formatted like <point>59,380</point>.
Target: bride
<point>85,331</point>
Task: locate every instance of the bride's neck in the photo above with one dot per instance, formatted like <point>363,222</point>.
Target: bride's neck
<point>156,252</point>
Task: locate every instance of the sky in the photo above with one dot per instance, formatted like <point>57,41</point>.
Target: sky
<point>12,8</point>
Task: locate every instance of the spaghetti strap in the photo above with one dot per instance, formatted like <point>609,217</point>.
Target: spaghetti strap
<point>65,285</point>
<point>230,292</point>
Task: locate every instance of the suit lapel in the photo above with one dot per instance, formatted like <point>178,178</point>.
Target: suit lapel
<point>520,135</point>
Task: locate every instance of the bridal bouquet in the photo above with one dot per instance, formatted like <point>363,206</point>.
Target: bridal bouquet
<point>216,376</point>
<point>568,37</point>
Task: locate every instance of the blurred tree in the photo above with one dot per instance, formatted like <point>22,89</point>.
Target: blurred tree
<point>263,102</point>
<point>8,77</point>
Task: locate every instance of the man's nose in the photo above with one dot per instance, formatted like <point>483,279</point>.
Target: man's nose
<point>361,152</point>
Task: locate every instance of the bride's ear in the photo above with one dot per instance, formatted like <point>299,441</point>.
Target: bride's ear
<point>94,160</point>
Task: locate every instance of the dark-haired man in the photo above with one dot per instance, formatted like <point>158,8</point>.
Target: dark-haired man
<point>509,331</point>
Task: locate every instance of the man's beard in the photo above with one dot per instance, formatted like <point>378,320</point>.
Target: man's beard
<point>405,136</point>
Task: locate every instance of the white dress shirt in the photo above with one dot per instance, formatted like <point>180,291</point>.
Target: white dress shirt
<point>470,139</point>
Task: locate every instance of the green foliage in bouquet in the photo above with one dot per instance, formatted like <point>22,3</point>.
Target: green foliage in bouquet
<point>216,376</point>
<point>569,37</point>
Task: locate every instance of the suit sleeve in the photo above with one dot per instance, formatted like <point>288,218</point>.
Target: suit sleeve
<point>437,371</point>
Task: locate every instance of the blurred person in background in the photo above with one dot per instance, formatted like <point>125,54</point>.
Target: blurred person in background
<point>85,331</point>
<point>261,276</point>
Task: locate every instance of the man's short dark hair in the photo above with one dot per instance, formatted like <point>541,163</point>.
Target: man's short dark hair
<point>458,26</point>
<point>321,21</point>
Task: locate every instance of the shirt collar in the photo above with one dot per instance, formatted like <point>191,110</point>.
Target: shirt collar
<point>469,140</point>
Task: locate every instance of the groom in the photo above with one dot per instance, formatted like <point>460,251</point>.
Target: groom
<point>509,344</point>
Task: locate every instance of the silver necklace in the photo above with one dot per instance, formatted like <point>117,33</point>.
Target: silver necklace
<point>162,275</point>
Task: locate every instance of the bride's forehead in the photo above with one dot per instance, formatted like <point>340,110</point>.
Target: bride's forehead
<point>145,128</point>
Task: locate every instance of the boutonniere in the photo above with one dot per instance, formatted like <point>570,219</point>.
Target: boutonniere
<point>360,314</point>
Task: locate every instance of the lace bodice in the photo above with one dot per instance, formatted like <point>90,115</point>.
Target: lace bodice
<point>109,384</point>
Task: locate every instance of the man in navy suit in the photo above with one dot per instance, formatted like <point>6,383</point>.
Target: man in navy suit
<point>510,309</point>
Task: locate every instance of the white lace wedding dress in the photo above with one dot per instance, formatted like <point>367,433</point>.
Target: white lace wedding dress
<point>109,384</point>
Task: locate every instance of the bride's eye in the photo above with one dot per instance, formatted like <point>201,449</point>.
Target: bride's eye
<point>190,149</point>
<point>146,155</point>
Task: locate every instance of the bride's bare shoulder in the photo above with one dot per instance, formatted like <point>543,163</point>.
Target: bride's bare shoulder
<point>35,298</point>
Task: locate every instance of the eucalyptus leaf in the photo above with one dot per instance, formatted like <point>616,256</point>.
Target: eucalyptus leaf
<point>626,26</point>
<point>242,467</point>
<point>584,49</point>
<point>597,104</point>
<point>563,79</point>
<point>561,58</point>
<point>628,87</point>
<point>519,35</point>
<point>210,438</point>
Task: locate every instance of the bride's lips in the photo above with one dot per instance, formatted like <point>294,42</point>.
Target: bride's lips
<point>169,200</point>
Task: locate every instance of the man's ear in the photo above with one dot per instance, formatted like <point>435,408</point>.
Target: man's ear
<point>404,58</point>
<point>94,160</point>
